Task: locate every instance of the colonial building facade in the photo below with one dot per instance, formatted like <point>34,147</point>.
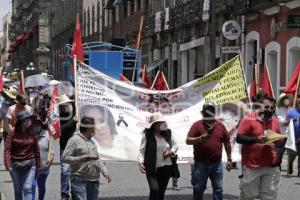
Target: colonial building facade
<point>63,18</point>
<point>30,35</point>
<point>5,41</point>
<point>273,39</point>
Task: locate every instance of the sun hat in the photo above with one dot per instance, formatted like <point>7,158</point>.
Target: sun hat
<point>10,93</point>
<point>155,117</point>
<point>63,99</point>
<point>21,98</point>
<point>24,115</point>
<point>87,122</point>
<point>281,96</point>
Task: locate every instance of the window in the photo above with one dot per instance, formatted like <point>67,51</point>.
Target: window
<point>88,22</point>
<point>93,19</point>
<point>84,24</point>
<point>98,16</point>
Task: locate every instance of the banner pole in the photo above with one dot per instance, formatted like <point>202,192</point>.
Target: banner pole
<point>76,90</point>
<point>165,80</point>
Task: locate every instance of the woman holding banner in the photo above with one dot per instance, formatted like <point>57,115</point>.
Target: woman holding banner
<point>157,148</point>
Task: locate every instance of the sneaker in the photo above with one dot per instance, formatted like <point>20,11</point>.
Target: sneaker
<point>175,188</point>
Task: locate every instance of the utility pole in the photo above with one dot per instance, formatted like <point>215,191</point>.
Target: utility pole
<point>212,34</point>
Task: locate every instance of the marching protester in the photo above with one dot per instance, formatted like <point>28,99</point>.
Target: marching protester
<point>39,127</point>
<point>21,105</point>
<point>207,137</point>
<point>260,172</point>
<point>22,156</point>
<point>9,98</point>
<point>294,114</point>
<point>68,127</point>
<point>157,148</point>
<point>82,155</point>
<point>282,107</point>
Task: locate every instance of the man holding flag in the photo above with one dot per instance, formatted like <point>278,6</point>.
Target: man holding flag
<point>294,114</point>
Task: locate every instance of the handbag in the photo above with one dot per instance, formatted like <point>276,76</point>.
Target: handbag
<point>175,169</point>
<point>24,164</point>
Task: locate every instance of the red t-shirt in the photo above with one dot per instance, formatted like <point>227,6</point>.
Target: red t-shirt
<point>258,155</point>
<point>211,150</point>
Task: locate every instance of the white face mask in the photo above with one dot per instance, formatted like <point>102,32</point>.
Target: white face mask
<point>286,102</point>
<point>163,127</point>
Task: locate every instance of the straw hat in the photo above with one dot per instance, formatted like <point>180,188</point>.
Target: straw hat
<point>10,93</point>
<point>63,99</point>
<point>155,117</point>
<point>281,96</point>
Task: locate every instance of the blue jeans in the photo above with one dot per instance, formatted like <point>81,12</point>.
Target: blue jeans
<point>65,172</point>
<point>22,181</point>
<point>204,171</point>
<point>84,190</point>
<point>41,183</point>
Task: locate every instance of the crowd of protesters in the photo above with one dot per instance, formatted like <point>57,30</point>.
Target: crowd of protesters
<point>28,158</point>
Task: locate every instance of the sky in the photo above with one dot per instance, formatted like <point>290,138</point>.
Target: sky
<point>5,6</point>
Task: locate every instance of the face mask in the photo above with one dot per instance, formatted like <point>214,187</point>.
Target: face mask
<point>27,123</point>
<point>286,102</point>
<point>23,103</point>
<point>163,127</point>
<point>266,114</point>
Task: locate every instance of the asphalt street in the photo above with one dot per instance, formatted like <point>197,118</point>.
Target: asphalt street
<point>129,184</point>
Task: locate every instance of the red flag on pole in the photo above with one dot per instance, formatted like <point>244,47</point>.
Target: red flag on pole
<point>266,83</point>
<point>52,119</point>
<point>160,82</point>
<point>144,79</point>
<point>123,78</point>
<point>252,90</point>
<point>139,37</point>
<point>77,42</point>
<point>292,85</point>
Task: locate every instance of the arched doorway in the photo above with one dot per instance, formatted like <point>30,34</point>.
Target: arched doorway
<point>272,61</point>
<point>252,47</point>
<point>292,56</point>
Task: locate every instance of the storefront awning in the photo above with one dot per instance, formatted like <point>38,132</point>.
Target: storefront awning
<point>155,64</point>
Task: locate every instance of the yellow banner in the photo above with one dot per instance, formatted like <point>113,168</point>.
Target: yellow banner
<point>229,83</point>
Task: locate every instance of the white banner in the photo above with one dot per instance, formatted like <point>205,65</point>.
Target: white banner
<point>121,111</point>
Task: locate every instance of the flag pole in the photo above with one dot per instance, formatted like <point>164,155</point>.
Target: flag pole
<point>155,79</point>
<point>49,148</point>
<point>138,44</point>
<point>268,74</point>
<point>296,92</point>
<point>165,80</point>
<point>22,86</point>
<point>256,68</point>
<point>76,89</point>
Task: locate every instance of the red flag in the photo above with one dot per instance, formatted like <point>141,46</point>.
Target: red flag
<point>53,116</point>
<point>77,42</point>
<point>144,77</point>
<point>139,37</point>
<point>123,78</point>
<point>1,82</point>
<point>252,90</point>
<point>266,83</point>
<point>160,83</point>
<point>292,85</point>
